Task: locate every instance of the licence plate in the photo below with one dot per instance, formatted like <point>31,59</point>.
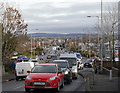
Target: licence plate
<point>20,73</point>
<point>39,83</point>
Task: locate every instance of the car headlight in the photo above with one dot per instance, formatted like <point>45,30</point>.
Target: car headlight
<point>91,63</point>
<point>28,78</point>
<point>52,78</point>
<point>66,72</point>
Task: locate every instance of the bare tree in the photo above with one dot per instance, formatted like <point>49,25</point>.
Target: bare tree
<point>13,26</point>
<point>23,44</point>
<point>1,8</point>
<point>109,25</point>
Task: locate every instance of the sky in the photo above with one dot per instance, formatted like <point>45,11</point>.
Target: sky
<point>60,16</point>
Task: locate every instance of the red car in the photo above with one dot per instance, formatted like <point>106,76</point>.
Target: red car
<point>44,76</point>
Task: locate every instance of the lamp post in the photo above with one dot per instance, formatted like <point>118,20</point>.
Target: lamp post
<point>98,24</point>
<point>34,45</point>
<point>31,45</point>
<point>113,43</point>
<point>101,39</point>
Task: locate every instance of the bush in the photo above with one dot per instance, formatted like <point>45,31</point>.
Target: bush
<point>8,69</point>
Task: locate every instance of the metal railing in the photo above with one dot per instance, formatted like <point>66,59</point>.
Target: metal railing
<point>115,68</point>
<point>115,72</point>
<point>110,72</point>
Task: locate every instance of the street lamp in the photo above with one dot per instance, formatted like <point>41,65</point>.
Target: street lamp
<point>101,39</point>
<point>101,36</point>
<point>98,24</point>
<point>31,45</point>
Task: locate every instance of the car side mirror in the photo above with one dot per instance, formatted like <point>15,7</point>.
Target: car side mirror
<point>70,69</point>
<point>59,72</point>
<point>28,71</point>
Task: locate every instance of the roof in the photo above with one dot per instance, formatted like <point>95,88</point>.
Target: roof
<point>78,53</point>
<point>68,56</point>
<point>33,59</point>
<point>21,57</point>
<point>24,62</point>
<point>60,61</point>
<point>45,64</point>
<point>52,55</point>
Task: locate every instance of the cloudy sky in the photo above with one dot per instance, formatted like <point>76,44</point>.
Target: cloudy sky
<point>60,16</point>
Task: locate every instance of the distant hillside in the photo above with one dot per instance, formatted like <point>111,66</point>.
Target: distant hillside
<point>56,35</point>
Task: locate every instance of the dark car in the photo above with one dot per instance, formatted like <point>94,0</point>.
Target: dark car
<point>88,63</point>
<point>63,65</point>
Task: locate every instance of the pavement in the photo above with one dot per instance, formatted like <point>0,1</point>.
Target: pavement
<point>102,83</point>
<point>8,77</point>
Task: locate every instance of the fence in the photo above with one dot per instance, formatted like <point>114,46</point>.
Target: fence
<point>115,72</point>
<point>107,71</point>
<point>109,64</point>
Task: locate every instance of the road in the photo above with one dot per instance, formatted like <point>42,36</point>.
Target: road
<point>76,85</point>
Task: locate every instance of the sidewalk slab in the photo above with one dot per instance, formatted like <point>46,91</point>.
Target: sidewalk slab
<point>102,83</point>
<point>8,77</point>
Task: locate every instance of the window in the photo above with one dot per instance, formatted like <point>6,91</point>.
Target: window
<point>44,69</point>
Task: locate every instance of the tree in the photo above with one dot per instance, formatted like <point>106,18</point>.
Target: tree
<point>23,44</point>
<point>38,51</point>
<point>109,25</point>
<point>13,26</point>
<point>0,35</point>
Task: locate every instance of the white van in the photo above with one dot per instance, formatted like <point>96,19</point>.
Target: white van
<point>72,60</point>
<point>22,68</point>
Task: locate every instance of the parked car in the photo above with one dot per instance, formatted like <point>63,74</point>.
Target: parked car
<point>72,60</point>
<point>22,68</point>
<point>44,76</point>
<point>88,63</point>
<point>64,66</point>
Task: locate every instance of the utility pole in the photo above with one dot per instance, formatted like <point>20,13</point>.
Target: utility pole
<point>113,45</point>
<point>34,46</point>
<point>101,39</point>
<point>98,25</point>
<point>31,45</point>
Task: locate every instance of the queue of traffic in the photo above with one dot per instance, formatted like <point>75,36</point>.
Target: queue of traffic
<point>51,74</point>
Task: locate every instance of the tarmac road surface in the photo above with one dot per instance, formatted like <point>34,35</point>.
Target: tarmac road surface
<point>15,86</point>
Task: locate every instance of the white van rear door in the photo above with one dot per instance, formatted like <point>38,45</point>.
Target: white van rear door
<point>22,68</point>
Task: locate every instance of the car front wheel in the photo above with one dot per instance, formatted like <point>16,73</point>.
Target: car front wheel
<point>27,89</point>
<point>17,78</point>
<point>76,76</point>
<point>58,88</point>
<point>71,78</point>
<point>62,84</point>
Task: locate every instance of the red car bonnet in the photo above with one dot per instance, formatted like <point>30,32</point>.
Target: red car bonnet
<point>42,75</point>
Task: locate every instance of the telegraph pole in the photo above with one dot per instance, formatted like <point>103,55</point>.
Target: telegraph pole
<point>31,45</point>
<point>101,39</point>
